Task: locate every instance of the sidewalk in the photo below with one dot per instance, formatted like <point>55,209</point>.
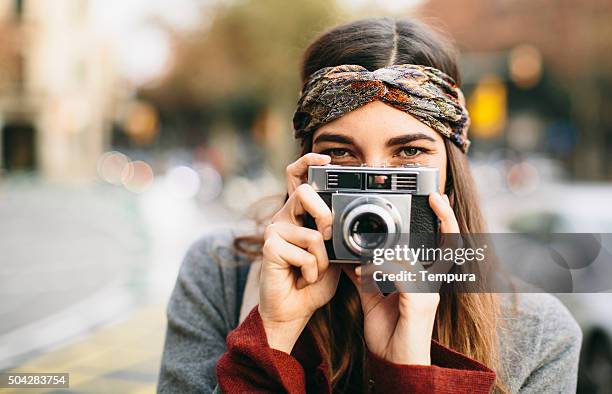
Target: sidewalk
<point>86,274</point>
<point>123,357</point>
<point>73,257</point>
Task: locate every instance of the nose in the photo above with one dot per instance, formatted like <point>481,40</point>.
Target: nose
<point>379,162</point>
<point>376,157</point>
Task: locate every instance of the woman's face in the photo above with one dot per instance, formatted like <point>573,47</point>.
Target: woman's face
<point>377,134</point>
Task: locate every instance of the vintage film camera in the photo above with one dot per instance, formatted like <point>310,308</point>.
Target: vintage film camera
<point>375,207</point>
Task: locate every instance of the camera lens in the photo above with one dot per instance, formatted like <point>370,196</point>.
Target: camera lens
<point>369,223</point>
<point>368,230</point>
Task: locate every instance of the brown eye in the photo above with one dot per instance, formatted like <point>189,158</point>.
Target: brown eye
<point>338,153</point>
<point>409,152</point>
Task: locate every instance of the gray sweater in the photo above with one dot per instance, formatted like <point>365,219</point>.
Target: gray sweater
<point>540,340</point>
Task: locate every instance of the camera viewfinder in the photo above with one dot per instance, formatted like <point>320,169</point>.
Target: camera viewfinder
<point>379,181</point>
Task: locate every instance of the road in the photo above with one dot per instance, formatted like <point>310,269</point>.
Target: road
<point>76,257</point>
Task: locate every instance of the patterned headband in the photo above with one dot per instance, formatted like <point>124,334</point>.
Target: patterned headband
<point>426,93</point>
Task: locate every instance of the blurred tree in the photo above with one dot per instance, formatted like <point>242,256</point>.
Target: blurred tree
<point>241,64</point>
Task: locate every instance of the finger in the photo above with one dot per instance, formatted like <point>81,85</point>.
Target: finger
<point>328,279</point>
<point>303,200</point>
<point>305,238</point>
<point>284,254</point>
<point>298,170</point>
<point>444,212</point>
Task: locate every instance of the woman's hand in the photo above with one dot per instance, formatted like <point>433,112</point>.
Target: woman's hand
<point>295,277</point>
<point>297,172</point>
<point>398,328</point>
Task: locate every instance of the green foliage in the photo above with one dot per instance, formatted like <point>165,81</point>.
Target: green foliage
<point>250,49</point>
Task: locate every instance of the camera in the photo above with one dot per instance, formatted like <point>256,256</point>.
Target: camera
<point>375,207</point>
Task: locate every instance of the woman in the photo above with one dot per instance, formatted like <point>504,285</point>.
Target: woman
<point>268,313</point>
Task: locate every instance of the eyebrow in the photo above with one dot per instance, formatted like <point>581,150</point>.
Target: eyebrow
<point>340,138</point>
<point>400,140</point>
<point>407,138</point>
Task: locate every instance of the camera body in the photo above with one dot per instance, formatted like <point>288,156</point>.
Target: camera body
<point>375,207</point>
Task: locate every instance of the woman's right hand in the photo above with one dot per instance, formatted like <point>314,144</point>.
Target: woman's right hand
<point>296,278</point>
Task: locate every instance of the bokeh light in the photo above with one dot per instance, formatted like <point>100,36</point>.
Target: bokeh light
<point>137,176</point>
<point>111,166</point>
<point>525,66</point>
<point>212,183</point>
<point>522,178</point>
<point>141,122</point>
<point>183,182</point>
<point>145,55</point>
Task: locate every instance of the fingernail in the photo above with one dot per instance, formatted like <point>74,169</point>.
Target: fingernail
<point>327,233</point>
<point>358,270</point>
<point>438,197</point>
<point>446,198</point>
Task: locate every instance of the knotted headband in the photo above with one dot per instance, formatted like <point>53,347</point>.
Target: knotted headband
<point>424,92</point>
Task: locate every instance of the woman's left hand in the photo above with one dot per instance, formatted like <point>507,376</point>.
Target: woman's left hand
<point>398,327</point>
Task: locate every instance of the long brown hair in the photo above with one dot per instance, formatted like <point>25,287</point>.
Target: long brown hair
<point>465,322</point>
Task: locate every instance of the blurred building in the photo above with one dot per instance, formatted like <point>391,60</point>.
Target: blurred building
<point>552,59</point>
<point>56,82</point>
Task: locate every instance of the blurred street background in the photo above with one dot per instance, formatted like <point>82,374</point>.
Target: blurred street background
<point>129,128</point>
